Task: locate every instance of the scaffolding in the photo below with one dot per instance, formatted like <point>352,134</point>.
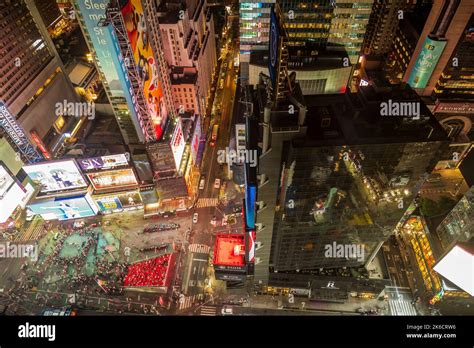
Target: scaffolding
<point>114,18</point>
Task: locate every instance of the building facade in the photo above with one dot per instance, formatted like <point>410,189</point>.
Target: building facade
<point>187,31</point>
<point>458,225</point>
<point>336,173</point>
<point>32,83</point>
<point>442,32</point>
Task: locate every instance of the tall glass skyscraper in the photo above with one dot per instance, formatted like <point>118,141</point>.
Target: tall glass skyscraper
<point>337,173</point>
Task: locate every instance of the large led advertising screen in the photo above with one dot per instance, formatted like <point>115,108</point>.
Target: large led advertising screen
<point>11,194</point>
<point>274,47</point>
<point>119,201</point>
<point>103,162</point>
<point>102,39</point>
<point>178,144</point>
<point>93,12</point>
<point>63,209</point>
<point>458,267</point>
<point>426,62</point>
<point>134,18</point>
<point>113,179</point>
<point>196,140</point>
<point>56,176</point>
<point>6,181</point>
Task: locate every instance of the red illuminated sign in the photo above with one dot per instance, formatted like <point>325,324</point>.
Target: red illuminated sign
<point>40,144</point>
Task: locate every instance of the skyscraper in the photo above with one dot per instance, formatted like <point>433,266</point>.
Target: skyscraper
<point>335,171</point>
<point>444,27</point>
<point>324,41</point>
<point>100,42</point>
<point>456,83</point>
<point>187,30</point>
<point>383,23</point>
<point>32,82</point>
<point>458,225</point>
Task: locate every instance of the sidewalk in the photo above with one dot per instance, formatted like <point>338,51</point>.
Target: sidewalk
<point>268,301</point>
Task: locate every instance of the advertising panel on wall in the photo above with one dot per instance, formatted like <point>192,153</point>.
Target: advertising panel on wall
<point>63,208</point>
<point>56,176</point>
<point>195,140</point>
<point>100,37</point>
<point>161,159</point>
<point>11,194</point>
<point>426,62</point>
<point>250,200</point>
<point>6,181</point>
<point>103,162</point>
<point>113,179</point>
<point>103,41</point>
<point>449,266</point>
<point>39,143</point>
<point>274,47</point>
<point>118,202</point>
<point>178,144</point>
<point>134,19</point>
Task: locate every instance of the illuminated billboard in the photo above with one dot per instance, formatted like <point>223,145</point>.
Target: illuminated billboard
<point>426,62</point>
<point>64,208</point>
<point>250,238</point>
<point>11,194</point>
<point>104,43</point>
<point>229,252</point>
<point>134,19</point>
<point>274,47</point>
<point>457,266</point>
<point>56,176</point>
<point>6,181</point>
<point>196,140</point>
<point>119,201</point>
<point>104,162</point>
<point>250,201</point>
<point>113,179</point>
<point>178,144</point>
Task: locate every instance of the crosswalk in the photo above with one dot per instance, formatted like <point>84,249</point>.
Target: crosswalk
<point>199,248</point>
<point>207,202</point>
<point>401,307</point>
<point>208,311</point>
<point>188,301</point>
<point>33,232</point>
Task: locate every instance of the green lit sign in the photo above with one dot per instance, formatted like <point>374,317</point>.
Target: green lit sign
<point>426,63</point>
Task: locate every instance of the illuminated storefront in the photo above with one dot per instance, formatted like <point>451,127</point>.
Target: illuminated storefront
<point>118,202</point>
<point>64,208</point>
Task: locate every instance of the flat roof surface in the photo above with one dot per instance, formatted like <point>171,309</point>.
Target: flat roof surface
<point>224,250</point>
<point>79,73</point>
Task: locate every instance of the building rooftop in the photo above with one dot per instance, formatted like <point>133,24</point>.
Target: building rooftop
<point>348,119</point>
<point>229,250</point>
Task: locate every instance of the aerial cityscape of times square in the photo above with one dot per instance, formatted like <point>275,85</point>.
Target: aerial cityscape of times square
<point>237,157</point>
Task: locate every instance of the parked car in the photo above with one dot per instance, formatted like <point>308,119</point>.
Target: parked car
<point>195,218</point>
<point>202,183</point>
<point>217,183</point>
